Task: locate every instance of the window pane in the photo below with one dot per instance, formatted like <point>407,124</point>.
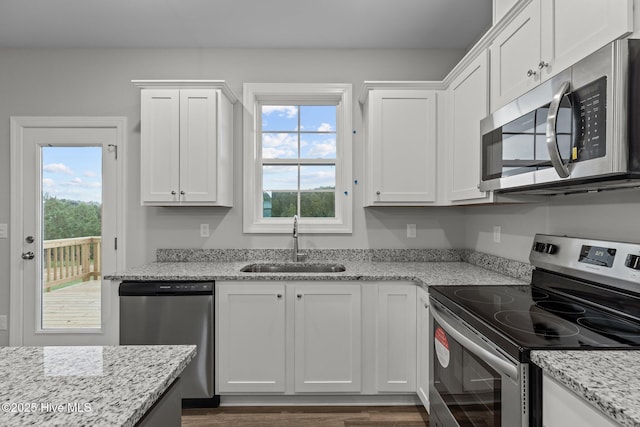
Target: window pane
<point>279,178</point>
<point>318,118</point>
<point>279,118</point>
<point>318,146</point>
<point>279,145</point>
<point>279,204</point>
<point>317,177</point>
<point>318,204</point>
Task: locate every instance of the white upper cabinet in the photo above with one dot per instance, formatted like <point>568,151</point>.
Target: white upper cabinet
<point>400,139</point>
<point>468,102</point>
<point>547,36</point>
<point>186,143</point>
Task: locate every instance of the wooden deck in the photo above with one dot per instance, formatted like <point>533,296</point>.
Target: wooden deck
<point>76,306</point>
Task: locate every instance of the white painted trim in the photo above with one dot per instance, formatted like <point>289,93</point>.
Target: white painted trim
<point>188,84</point>
<point>17,126</point>
<point>320,400</point>
<point>253,93</point>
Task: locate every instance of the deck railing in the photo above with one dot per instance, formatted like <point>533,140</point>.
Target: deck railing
<point>69,260</point>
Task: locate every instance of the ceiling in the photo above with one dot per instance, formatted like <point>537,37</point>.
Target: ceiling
<point>446,24</point>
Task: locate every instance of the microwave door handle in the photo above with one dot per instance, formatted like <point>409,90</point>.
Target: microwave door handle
<point>486,355</point>
<point>552,138</point>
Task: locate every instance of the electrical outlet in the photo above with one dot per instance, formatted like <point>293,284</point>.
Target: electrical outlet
<point>204,230</point>
<point>496,233</point>
<point>411,231</point>
<point>3,231</point>
<point>3,322</point>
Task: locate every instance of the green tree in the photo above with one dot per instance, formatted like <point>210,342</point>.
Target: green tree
<point>71,218</point>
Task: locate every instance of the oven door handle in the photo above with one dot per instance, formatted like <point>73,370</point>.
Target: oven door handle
<point>496,361</point>
<point>552,137</point>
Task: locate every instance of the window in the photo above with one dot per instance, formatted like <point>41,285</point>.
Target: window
<point>297,158</point>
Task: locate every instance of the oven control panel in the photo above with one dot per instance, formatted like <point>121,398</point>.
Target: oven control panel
<point>614,263</point>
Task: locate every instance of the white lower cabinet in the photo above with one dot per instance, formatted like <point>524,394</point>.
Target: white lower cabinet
<point>317,338</point>
<point>396,338</point>
<point>250,337</point>
<point>423,346</point>
<point>327,337</point>
<point>562,407</point>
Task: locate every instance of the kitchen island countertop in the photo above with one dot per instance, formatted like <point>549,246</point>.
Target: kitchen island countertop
<point>609,380</point>
<point>73,386</point>
<point>424,273</point>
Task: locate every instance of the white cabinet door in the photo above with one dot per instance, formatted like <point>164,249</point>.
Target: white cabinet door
<point>468,104</point>
<point>561,407</point>
<point>198,145</point>
<point>396,339</point>
<point>515,55</point>
<point>250,337</point>
<point>327,335</point>
<point>423,346</point>
<point>572,29</point>
<point>160,146</point>
<point>401,147</point>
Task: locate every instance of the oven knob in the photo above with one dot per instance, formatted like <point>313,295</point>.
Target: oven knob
<point>538,247</point>
<point>551,248</point>
<point>633,261</point>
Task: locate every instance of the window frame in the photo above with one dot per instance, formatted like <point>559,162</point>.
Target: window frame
<point>257,94</point>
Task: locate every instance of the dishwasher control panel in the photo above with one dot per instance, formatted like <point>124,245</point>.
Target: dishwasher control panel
<point>138,288</point>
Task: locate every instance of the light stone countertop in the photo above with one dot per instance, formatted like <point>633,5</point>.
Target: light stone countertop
<point>91,386</point>
<point>424,273</point>
<point>609,380</point>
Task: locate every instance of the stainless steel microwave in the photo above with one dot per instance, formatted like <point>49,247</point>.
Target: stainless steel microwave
<point>578,131</point>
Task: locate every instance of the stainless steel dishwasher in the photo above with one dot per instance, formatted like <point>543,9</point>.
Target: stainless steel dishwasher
<point>172,313</point>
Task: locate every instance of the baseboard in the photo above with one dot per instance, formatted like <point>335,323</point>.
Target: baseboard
<point>321,400</point>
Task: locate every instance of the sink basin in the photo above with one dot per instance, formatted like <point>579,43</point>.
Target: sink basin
<point>293,268</point>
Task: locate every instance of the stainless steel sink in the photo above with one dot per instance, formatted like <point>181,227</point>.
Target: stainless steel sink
<point>293,268</point>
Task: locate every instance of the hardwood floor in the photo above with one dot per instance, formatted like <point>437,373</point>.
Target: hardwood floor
<point>307,416</point>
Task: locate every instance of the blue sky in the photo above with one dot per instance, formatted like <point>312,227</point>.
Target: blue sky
<point>280,124</point>
<point>73,173</point>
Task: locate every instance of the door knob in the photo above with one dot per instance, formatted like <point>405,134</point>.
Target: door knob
<point>28,255</point>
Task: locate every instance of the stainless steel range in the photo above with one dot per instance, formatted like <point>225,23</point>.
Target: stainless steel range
<point>584,294</point>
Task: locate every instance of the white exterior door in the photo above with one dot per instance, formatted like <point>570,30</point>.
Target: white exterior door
<point>65,168</point>
<point>328,338</point>
<point>250,337</point>
<point>396,338</point>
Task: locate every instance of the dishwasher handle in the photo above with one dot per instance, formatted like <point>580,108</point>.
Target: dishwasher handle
<point>165,288</point>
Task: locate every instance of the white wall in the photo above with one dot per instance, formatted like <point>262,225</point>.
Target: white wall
<point>613,215</point>
<point>98,82</point>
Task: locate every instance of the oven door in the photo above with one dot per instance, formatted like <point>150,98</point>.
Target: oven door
<point>471,382</point>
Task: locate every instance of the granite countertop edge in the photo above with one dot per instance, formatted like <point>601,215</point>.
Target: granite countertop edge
<point>589,374</point>
<point>423,273</point>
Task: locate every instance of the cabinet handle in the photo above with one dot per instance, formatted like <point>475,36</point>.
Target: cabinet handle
<point>279,296</point>
<point>543,64</point>
<point>299,296</point>
<point>173,193</point>
<point>531,73</point>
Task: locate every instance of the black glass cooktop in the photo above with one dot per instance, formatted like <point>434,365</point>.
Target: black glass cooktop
<point>535,318</point>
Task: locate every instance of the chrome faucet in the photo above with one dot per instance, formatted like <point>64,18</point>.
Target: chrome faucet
<point>297,255</point>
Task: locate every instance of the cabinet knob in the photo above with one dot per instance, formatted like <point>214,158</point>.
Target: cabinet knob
<point>378,193</point>
<point>279,296</point>
<point>426,305</point>
<point>531,73</point>
<point>182,192</point>
<point>299,296</point>
<point>173,193</point>
<point>543,64</point>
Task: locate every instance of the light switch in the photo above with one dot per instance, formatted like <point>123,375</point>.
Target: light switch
<point>3,322</point>
<point>3,231</point>
<point>411,231</point>
<point>204,230</point>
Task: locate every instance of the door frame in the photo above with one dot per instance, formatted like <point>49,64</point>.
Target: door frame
<point>16,272</point>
